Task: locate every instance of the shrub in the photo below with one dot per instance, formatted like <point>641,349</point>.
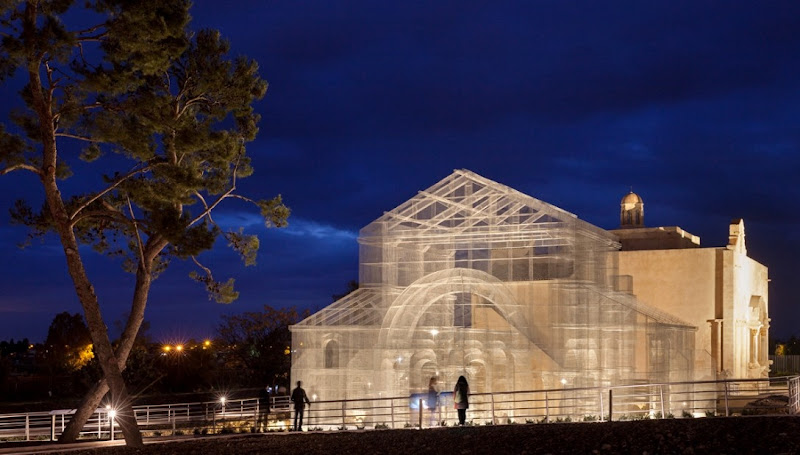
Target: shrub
<point>381,426</point>
<point>687,415</point>
<point>711,414</point>
<point>589,418</point>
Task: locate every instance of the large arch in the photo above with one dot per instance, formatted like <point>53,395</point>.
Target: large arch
<point>403,316</point>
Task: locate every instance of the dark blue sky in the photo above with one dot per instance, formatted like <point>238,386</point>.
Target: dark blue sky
<point>695,104</point>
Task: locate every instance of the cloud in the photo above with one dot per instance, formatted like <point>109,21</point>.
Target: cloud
<point>298,227</point>
<point>305,228</point>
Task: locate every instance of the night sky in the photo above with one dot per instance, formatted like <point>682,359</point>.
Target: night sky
<point>695,105</point>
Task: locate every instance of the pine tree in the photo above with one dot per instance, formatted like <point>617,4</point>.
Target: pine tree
<point>165,114</point>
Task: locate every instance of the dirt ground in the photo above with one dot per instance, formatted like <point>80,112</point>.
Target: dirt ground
<point>717,435</point>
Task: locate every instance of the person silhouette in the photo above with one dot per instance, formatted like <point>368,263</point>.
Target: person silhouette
<point>461,399</point>
<point>433,399</point>
<point>300,399</point>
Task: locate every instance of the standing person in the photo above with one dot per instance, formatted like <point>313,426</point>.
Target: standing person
<point>263,408</point>
<point>433,399</point>
<point>299,398</point>
<point>461,399</point>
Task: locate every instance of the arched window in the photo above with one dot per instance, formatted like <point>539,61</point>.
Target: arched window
<point>332,354</point>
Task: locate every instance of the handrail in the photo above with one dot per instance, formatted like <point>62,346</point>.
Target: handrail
<point>629,401</point>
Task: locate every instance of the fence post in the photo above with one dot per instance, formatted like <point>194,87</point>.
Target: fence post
<point>391,407</point>
<point>344,420</point>
<point>147,413</point>
<point>255,418</point>
<point>661,392</point>
<point>546,408</point>
<point>492,397</point>
<point>27,427</point>
<point>53,427</point>
<point>610,405</point>
<point>420,413</point>
<point>602,412</point>
<point>727,412</point>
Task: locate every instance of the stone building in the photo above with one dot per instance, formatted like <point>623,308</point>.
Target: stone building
<point>471,277</point>
<point>719,290</point>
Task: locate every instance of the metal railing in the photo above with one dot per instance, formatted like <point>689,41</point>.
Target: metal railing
<point>631,402</point>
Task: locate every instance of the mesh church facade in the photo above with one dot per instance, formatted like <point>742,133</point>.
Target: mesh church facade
<point>471,277</point>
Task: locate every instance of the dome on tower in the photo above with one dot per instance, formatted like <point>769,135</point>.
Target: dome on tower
<point>631,211</point>
<point>631,198</point>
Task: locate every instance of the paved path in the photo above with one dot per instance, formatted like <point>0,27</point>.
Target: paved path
<point>10,448</point>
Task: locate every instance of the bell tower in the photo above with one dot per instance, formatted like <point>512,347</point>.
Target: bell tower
<point>631,211</point>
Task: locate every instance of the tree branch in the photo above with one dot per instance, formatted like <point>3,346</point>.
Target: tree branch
<point>74,136</point>
<point>113,215</point>
<point>90,29</point>
<point>190,102</point>
<point>210,208</point>
<point>16,167</point>
<point>221,198</point>
<point>136,229</point>
<point>205,269</point>
<point>110,188</point>
<point>205,204</point>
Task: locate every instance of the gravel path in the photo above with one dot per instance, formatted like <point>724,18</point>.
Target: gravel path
<point>731,435</point>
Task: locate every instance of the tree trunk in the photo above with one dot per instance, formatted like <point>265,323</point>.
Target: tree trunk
<point>42,104</point>
<point>92,399</point>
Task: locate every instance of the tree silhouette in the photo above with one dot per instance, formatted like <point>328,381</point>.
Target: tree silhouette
<point>164,115</point>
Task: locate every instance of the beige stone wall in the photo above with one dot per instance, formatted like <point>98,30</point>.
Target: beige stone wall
<point>681,282</point>
<point>750,297</point>
<point>703,285</point>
